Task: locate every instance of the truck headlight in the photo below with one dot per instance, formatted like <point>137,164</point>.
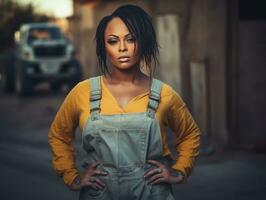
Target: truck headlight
<point>71,50</point>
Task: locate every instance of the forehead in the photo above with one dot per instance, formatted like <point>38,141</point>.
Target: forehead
<point>116,27</point>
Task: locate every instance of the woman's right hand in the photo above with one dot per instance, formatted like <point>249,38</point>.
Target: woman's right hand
<point>89,179</point>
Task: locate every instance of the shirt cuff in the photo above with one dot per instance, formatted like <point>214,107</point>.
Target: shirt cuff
<point>70,176</point>
<point>180,170</point>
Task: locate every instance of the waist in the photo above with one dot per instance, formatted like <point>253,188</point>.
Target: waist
<point>134,170</point>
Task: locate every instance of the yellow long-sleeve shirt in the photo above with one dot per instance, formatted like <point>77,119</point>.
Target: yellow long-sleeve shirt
<point>75,110</point>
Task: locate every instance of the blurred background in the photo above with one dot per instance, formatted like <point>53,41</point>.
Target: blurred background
<point>213,52</point>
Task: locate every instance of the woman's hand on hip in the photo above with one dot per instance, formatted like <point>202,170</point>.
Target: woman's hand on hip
<point>162,174</point>
<point>89,178</point>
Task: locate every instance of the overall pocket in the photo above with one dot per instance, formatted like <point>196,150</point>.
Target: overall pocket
<point>162,191</point>
<point>88,193</point>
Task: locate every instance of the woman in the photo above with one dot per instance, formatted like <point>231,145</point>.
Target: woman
<point>124,115</point>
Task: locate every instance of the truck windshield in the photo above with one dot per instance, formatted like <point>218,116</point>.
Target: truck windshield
<point>50,33</point>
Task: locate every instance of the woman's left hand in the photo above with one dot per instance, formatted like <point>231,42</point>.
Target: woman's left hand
<point>161,174</point>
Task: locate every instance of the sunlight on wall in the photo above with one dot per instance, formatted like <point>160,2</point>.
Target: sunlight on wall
<point>58,8</point>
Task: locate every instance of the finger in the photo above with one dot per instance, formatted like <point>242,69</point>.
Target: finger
<point>89,178</point>
<point>94,186</point>
<point>155,177</point>
<point>88,172</point>
<point>158,164</point>
<point>98,186</point>
<point>157,181</point>
<point>151,172</point>
<point>99,172</point>
<point>98,181</point>
<point>88,183</point>
<point>94,165</point>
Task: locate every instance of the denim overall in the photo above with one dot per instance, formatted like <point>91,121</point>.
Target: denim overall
<point>123,143</point>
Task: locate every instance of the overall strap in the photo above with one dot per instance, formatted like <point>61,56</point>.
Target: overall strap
<point>154,97</point>
<point>95,97</point>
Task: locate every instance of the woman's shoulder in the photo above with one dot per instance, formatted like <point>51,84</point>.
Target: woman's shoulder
<point>167,90</point>
<point>82,85</point>
<point>170,95</point>
<point>79,91</point>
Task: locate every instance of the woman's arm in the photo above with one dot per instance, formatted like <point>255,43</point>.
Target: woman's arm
<point>187,142</point>
<point>61,136</point>
<point>187,135</point>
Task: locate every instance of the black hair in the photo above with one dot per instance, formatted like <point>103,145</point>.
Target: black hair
<point>140,26</point>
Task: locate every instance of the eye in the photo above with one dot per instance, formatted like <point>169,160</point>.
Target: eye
<point>131,40</point>
<point>112,41</point>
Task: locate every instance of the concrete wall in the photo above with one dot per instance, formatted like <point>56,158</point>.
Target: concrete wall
<point>203,40</point>
<point>251,82</point>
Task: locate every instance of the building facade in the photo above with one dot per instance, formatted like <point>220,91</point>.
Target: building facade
<point>198,56</point>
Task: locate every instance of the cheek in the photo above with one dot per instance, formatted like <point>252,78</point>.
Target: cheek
<point>135,52</point>
<point>110,52</point>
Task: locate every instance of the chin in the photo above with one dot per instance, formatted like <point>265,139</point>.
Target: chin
<point>124,66</point>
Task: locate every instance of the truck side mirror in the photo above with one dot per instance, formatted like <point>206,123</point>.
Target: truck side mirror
<point>17,37</point>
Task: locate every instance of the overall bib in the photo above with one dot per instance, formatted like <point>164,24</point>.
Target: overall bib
<point>123,143</point>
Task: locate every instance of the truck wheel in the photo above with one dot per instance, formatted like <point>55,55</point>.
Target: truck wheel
<point>8,78</point>
<point>22,82</point>
<point>8,68</point>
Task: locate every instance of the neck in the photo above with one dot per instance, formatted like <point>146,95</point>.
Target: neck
<point>131,75</point>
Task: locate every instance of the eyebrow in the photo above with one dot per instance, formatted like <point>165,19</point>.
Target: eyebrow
<point>117,36</point>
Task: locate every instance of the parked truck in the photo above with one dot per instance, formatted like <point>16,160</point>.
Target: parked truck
<point>42,54</point>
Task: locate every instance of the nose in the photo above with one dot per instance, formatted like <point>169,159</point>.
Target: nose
<point>122,46</point>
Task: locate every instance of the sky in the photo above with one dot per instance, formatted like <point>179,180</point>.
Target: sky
<point>58,8</point>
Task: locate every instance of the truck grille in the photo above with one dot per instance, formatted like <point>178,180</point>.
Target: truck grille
<point>50,51</point>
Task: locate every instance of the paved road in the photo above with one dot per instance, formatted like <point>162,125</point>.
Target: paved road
<point>25,166</point>
<point>26,172</point>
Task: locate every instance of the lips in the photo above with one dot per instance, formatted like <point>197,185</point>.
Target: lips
<point>123,58</point>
